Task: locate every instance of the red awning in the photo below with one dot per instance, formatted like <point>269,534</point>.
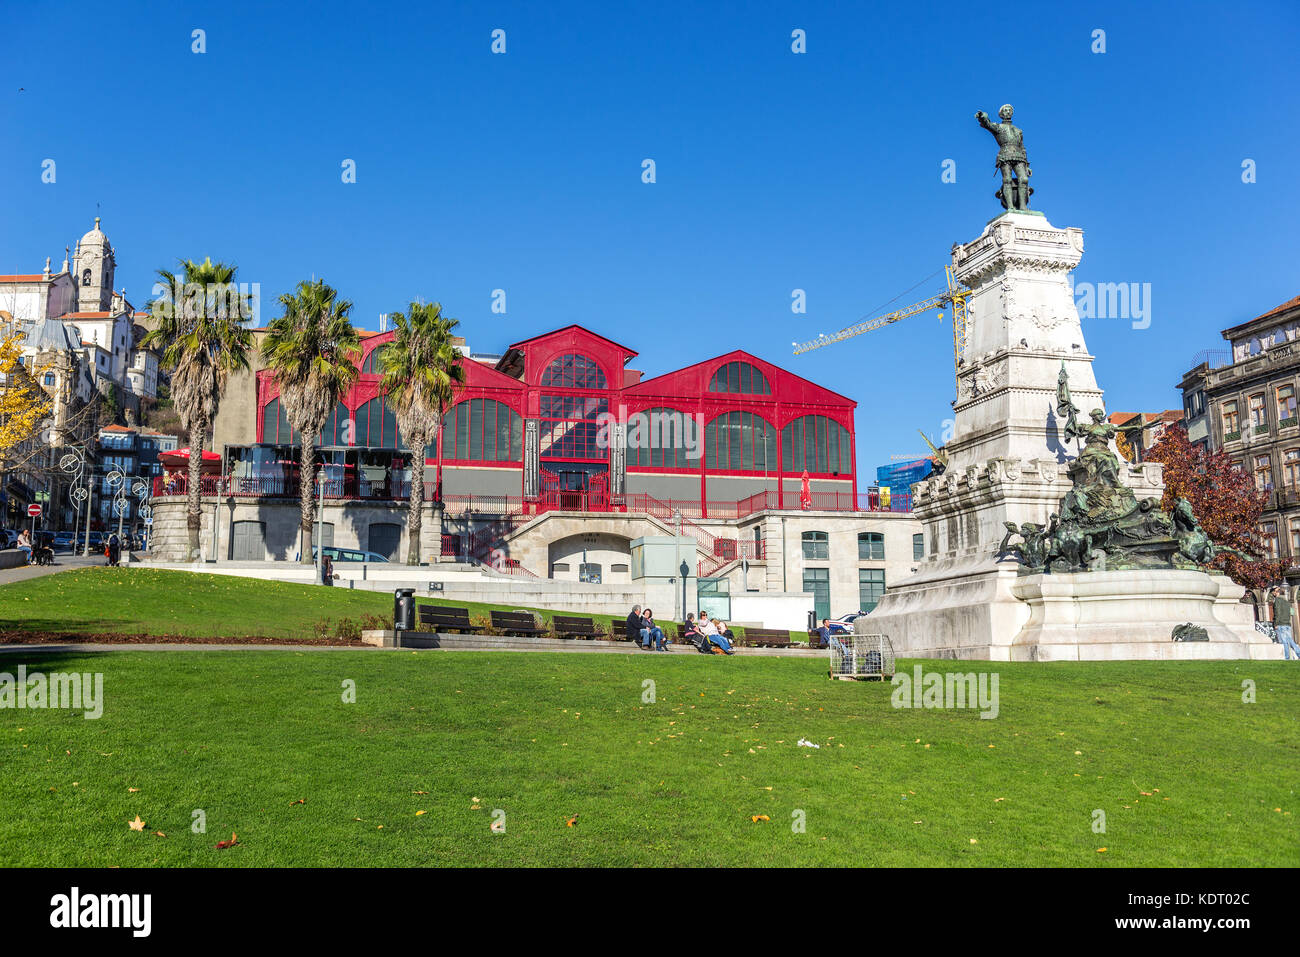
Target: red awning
<point>182,457</point>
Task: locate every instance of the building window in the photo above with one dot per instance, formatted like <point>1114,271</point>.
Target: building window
<point>336,430</point>
<point>660,438</point>
<point>570,427</point>
<point>816,546</point>
<point>85,278</point>
<point>1231,421</point>
<point>740,441</point>
<point>1268,533</point>
<point>483,430</point>
<point>1286,407</point>
<point>1258,416</point>
<point>871,587</point>
<point>871,546</point>
<point>1263,472</point>
<point>49,378</point>
<point>275,425</point>
<point>740,377</point>
<point>818,444</point>
<point>573,371</point>
<point>1295,536</point>
<point>371,365</point>
<point>375,426</point>
<point>918,546</point>
<point>818,581</point>
<point>1291,468</point>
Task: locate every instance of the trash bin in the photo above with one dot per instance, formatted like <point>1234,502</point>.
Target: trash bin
<point>404,609</point>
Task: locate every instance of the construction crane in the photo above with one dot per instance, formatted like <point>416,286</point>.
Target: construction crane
<point>955,296</point>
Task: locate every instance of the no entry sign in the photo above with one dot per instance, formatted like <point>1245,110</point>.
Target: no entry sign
<point>34,511</point>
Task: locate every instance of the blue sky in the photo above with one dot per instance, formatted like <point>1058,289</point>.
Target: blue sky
<point>775,171</point>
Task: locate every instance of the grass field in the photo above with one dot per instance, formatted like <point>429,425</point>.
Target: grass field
<point>136,600</point>
<point>1186,773</point>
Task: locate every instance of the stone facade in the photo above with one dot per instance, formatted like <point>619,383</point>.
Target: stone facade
<point>1248,409</point>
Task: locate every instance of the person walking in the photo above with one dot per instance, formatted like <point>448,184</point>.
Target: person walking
<point>1282,623</point>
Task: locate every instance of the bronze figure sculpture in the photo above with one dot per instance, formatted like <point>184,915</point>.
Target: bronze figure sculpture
<point>1012,161</point>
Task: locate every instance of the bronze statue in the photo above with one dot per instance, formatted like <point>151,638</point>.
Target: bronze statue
<point>1096,458</point>
<point>1011,161</point>
<point>1101,524</point>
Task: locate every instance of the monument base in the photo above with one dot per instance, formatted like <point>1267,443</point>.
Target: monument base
<point>981,609</point>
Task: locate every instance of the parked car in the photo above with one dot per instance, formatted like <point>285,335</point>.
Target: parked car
<point>348,554</point>
<point>8,538</point>
<point>63,540</point>
<point>843,625</point>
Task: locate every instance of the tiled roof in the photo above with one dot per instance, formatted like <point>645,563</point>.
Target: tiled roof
<point>1285,307</point>
<point>31,277</point>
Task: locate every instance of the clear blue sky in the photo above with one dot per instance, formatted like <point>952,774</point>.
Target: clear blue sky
<point>776,171</point>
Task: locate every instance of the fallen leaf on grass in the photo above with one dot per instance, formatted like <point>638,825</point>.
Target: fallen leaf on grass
<point>299,801</point>
<point>234,839</point>
<point>973,841</point>
<point>418,813</point>
<point>759,817</point>
<point>137,824</point>
<point>132,790</point>
<point>1101,850</point>
<point>160,833</point>
<point>571,821</point>
<point>498,826</point>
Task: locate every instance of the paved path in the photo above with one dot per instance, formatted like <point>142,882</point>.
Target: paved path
<point>63,561</point>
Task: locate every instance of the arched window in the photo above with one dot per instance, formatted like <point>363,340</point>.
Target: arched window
<point>275,425</point>
<point>816,546</point>
<point>483,430</point>
<point>871,546</point>
<point>376,426</point>
<point>573,371</point>
<point>818,444</point>
<point>740,377</point>
<point>740,441</point>
<point>662,438</point>
<point>371,365</point>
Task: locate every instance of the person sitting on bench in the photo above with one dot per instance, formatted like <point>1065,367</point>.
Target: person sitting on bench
<point>827,638</point>
<point>636,628</point>
<point>652,632</point>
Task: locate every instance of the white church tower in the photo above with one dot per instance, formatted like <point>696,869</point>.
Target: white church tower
<point>94,271</point>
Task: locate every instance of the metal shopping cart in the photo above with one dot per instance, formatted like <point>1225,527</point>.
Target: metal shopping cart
<point>861,658</point>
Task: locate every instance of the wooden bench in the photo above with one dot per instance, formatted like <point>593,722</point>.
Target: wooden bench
<point>767,637</point>
<point>815,640</point>
<point>444,618</point>
<point>567,626</point>
<point>516,623</point>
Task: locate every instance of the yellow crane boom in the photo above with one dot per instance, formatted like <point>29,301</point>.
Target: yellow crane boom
<point>954,296</point>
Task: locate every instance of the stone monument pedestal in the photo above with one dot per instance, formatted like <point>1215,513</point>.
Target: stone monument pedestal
<point>1125,615</point>
<point>1008,463</point>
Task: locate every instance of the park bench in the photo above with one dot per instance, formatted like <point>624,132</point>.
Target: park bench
<point>815,640</point>
<point>516,623</point>
<point>567,626</point>
<point>767,637</point>
<point>444,618</point>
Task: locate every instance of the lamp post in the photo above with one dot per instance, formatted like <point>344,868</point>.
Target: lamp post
<point>73,463</point>
<point>685,569</point>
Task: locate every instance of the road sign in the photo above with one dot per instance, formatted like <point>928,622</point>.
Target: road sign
<point>34,511</point>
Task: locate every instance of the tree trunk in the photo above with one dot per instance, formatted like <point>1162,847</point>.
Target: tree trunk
<point>194,493</point>
<point>307,498</point>
<point>415,512</point>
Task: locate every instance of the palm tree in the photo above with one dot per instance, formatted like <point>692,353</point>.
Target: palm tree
<point>202,339</point>
<point>420,374</point>
<point>312,349</point>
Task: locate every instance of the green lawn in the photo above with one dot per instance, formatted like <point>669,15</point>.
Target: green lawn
<point>1186,773</point>
<point>136,600</point>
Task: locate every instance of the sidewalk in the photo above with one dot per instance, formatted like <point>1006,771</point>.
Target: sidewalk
<point>63,561</point>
